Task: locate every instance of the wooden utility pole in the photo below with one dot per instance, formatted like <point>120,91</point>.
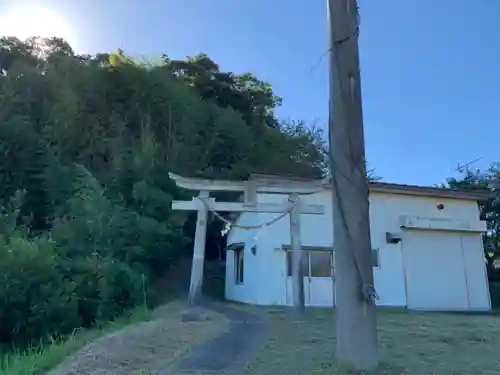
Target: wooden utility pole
<point>356,324</point>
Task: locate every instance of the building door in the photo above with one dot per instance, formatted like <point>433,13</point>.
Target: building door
<point>475,267</point>
<point>321,269</point>
<point>318,269</point>
<point>434,271</point>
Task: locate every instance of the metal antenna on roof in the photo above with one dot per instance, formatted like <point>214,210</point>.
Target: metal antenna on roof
<point>465,167</point>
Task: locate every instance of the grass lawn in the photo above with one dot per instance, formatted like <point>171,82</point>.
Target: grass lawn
<point>410,343</point>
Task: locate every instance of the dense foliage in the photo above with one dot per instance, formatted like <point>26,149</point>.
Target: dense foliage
<point>86,144</point>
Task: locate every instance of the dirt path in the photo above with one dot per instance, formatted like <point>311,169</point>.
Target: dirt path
<point>229,352</point>
<point>215,338</point>
<point>146,348</point>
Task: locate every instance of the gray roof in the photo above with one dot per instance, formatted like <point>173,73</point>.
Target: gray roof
<point>391,188</point>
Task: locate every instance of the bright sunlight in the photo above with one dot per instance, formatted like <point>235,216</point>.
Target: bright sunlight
<point>35,20</point>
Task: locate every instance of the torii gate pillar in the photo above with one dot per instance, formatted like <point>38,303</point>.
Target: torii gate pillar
<point>200,237</point>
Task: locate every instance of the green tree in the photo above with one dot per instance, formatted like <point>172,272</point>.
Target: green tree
<point>490,208</point>
<point>245,93</point>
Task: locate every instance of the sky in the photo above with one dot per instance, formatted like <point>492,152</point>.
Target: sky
<point>430,68</point>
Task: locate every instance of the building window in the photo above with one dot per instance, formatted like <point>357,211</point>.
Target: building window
<point>239,265</point>
<point>321,263</point>
<point>314,263</point>
<point>375,258</point>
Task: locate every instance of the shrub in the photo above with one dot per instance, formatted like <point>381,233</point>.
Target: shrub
<point>162,244</point>
<point>102,288</point>
<point>95,224</point>
<point>101,258</point>
<point>98,224</point>
<point>495,294</point>
<point>90,268</point>
<point>95,263</point>
<point>33,299</point>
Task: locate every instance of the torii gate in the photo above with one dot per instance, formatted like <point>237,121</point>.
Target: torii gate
<point>250,188</point>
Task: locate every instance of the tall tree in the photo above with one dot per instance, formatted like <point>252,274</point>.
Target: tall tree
<point>245,93</point>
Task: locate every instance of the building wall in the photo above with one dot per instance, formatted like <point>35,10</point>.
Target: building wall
<point>315,230</point>
<point>248,290</point>
<point>385,210</point>
<point>268,286</point>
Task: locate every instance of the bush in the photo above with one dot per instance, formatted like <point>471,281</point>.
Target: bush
<point>102,260</point>
<point>101,287</point>
<point>90,268</point>
<point>162,244</point>
<point>33,302</point>
<point>495,294</point>
<point>94,224</point>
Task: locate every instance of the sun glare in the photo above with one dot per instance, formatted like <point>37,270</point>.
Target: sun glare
<point>33,20</point>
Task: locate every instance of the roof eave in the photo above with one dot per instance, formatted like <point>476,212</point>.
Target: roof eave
<point>424,191</point>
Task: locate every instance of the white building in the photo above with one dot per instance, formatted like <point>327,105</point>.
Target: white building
<point>427,251</point>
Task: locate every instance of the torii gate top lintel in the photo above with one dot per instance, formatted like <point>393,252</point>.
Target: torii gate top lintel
<point>257,184</point>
